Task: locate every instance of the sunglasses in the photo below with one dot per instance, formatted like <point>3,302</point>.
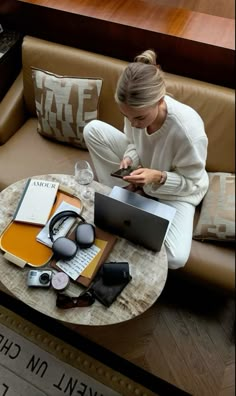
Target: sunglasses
<point>85,299</point>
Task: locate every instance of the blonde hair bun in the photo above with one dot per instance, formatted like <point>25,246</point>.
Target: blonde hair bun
<point>148,57</point>
<point>141,83</point>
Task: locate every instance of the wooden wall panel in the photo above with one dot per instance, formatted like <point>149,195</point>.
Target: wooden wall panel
<point>222,8</point>
<point>189,43</point>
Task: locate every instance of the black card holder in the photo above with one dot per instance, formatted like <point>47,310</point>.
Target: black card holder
<point>105,292</point>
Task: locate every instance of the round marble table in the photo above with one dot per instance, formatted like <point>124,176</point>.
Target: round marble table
<point>148,270</point>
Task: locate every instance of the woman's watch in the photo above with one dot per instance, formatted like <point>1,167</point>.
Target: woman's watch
<point>158,184</point>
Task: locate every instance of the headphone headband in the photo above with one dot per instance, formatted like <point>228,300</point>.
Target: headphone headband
<point>60,215</point>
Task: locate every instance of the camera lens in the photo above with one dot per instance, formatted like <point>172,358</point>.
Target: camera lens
<point>44,278</point>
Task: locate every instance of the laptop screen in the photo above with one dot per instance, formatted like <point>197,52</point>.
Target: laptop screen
<point>129,221</point>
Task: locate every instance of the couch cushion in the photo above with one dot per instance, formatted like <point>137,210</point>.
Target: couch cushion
<point>64,105</point>
<point>217,215</point>
<point>28,153</point>
<point>64,60</point>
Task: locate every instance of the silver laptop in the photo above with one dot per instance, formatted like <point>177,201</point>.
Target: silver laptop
<point>139,219</point>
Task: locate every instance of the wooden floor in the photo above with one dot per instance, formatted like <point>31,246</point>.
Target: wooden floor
<point>186,338</point>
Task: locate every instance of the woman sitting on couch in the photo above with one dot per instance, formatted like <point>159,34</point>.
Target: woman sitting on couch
<point>164,139</point>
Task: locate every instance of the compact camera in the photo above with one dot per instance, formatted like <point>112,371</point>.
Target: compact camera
<point>39,278</point>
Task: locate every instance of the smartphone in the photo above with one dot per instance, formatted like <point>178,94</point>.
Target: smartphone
<point>122,172</point>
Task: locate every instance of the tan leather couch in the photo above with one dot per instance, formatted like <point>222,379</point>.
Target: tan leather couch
<point>23,152</point>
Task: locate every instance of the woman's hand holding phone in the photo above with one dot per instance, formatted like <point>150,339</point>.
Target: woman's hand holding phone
<point>125,168</point>
<point>122,172</point>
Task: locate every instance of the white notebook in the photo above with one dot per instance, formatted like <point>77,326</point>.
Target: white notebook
<point>36,201</point>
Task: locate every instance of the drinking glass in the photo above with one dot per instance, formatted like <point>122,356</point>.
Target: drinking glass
<point>84,176</point>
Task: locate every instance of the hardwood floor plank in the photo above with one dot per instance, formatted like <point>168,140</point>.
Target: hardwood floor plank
<point>201,377</point>
<point>199,326</point>
<point>208,352</point>
<point>227,392</point>
<point>219,340</point>
<point>229,377</point>
<point>227,318</point>
<point>200,311</point>
<point>156,361</point>
<point>228,383</point>
<point>173,355</point>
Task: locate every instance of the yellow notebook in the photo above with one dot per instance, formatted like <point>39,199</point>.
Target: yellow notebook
<point>91,268</point>
<point>18,240</point>
<point>105,242</point>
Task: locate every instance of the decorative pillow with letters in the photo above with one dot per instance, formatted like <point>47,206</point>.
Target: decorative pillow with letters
<point>217,216</point>
<point>64,105</point>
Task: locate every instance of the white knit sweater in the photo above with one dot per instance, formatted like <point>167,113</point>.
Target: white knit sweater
<point>179,147</point>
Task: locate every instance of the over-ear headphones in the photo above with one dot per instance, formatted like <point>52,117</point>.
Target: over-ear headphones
<point>65,248</point>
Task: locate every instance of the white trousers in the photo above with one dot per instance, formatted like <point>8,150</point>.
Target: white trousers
<point>107,145</point>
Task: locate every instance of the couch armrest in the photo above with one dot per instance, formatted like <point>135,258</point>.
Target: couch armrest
<point>212,265</point>
<point>12,110</point>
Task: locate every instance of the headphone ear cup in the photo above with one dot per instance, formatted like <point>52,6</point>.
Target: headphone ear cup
<point>61,215</point>
<point>85,235</point>
<point>64,248</point>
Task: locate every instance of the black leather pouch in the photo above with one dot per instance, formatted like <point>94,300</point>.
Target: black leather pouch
<point>110,281</point>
